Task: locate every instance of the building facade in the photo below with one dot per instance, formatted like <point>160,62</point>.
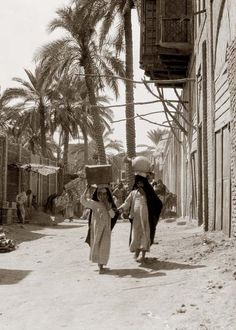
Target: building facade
<point>200,47</point>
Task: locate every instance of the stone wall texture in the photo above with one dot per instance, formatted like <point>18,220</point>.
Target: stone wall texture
<point>232,86</point>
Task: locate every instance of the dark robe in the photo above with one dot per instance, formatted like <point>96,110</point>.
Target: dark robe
<point>113,206</point>
<point>154,205</point>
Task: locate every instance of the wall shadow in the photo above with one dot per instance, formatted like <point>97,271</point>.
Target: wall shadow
<point>12,276</point>
<point>155,264</point>
<point>135,273</point>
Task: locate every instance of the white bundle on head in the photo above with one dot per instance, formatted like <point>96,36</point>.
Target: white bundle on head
<point>141,165</point>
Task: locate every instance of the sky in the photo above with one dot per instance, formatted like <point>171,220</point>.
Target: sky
<point>23,30</point>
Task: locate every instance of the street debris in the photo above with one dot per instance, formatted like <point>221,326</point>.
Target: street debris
<point>6,244</point>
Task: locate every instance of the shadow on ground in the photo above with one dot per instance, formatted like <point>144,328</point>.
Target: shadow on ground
<point>23,233</point>
<point>155,264</point>
<point>64,226</point>
<point>135,273</point>
<point>12,276</point>
<point>30,232</point>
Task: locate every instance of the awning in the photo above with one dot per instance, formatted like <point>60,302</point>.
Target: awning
<point>40,168</point>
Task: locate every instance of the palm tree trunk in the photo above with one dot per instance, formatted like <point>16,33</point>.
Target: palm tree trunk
<point>95,115</point>
<point>85,138</point>
<point>59,147</point>
<point>42,129</point>
<point>66,148</point>
<point>130,123</point>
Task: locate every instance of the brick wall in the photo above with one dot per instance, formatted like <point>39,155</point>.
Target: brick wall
<point>210,123</point>
<point>232,87</point>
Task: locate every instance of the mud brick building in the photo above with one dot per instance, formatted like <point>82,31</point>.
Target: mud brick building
<point>13,178</point>
<point>192,44</point>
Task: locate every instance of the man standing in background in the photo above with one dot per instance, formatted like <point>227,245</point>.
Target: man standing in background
<point>21,199</point>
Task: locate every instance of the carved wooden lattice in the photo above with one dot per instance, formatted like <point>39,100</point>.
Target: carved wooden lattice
<point>166,32</point>
<point>174,22</point>
<point>175,30</point>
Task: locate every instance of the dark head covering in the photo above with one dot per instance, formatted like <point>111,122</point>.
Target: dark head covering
<point>154,204</point>
<point>113,206</point>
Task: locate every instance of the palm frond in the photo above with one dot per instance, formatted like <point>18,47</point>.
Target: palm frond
<point>14,93</point>
<point>118,39</point>
<point>32,79</point>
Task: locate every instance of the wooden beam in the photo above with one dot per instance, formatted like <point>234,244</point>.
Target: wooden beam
<point>152,81</point>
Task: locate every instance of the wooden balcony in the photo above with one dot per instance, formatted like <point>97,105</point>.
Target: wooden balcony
<point>166,39</point>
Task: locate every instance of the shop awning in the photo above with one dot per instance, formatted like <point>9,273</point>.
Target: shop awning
<point>40,168</point>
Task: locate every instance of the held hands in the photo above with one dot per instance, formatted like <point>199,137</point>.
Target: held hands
<point>120,210</point>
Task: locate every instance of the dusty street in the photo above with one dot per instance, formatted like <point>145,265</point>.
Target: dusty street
<point>188,282</point>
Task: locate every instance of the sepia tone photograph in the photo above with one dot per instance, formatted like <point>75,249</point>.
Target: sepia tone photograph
<point>118,165</point>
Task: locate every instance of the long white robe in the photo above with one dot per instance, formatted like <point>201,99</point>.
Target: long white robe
<point>100,232</point>
<point>136,204</point>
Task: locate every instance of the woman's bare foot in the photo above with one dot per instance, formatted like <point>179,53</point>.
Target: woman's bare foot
<point>143,258</point>
<point>101,269</point>
<point>136,254</point>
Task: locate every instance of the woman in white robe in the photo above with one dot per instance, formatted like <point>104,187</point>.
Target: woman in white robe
<point>103,211</point>
<point>144,208</point>
<point>140,238</point>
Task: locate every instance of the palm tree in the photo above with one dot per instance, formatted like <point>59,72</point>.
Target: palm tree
<point>155,151</point>
<point>111,146</point>
<point>79,49</point>
<point>23,125</point>
<point>3,109</point>
<point>155,136</point>
<point>118,18</point>
<point>32,99</point>
<point>85,122</point>
<point>63,96</point>
<point>71,112</point>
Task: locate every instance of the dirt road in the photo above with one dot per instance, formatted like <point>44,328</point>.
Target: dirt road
<point>188,282</point>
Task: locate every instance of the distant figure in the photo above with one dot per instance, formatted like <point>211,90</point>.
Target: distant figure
<point>70,206</point>
<point>34,202</point>
<point>120,194</point>
<point>62,201</point>
<point>21,200</point>
<point>57,203</point>
<point>155,188</point>
<point>161,188</point>
<point>50,204</point>
<point>28,204</point>
<point>170,204</point>
<point>168,199</point>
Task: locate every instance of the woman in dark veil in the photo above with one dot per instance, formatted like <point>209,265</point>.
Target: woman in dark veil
<point>144,209</point>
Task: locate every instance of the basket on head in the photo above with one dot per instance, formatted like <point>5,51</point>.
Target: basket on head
<point>98,174</point>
